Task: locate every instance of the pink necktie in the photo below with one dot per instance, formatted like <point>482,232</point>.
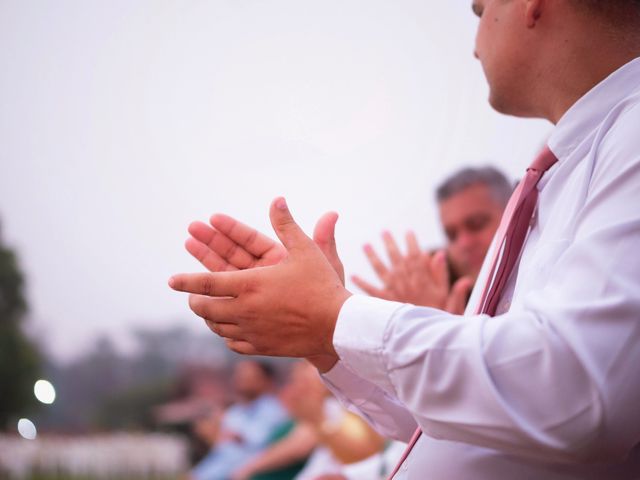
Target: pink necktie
<point>510,238</point>
<point>513,231</point>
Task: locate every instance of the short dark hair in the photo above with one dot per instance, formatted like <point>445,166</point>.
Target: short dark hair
<point>609,3</point>
<point>500,187</point>
<point>612,8</point>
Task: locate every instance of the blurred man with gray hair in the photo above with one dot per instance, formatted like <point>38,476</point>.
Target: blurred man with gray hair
<point>470,204</point>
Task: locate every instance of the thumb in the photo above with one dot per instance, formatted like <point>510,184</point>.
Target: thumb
<point>286,228</point>
<point>324,233</point>
<point>324,236</point>
<point>457,301</point>
<point>440,268</point>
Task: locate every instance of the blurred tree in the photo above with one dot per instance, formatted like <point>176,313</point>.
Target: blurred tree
<point>82,384</point>
<point>131,408</point>
<point>19,357</point>
<point>104,388</point>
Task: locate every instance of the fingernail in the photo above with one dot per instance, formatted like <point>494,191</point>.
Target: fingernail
<point>172,282</point>
<point>281,204</point>
<point>367,247</point>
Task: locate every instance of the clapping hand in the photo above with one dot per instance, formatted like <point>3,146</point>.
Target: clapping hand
<point>263,297</point>
<point>419,277</point>
<point>228,245</point>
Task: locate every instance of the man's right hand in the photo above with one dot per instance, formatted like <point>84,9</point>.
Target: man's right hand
<point>227,245</point>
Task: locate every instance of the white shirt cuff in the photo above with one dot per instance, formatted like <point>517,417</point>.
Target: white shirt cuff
<point>359,338</point>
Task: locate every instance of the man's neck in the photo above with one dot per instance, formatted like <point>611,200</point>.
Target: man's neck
<point>573,92</point>
<point>584,66</point>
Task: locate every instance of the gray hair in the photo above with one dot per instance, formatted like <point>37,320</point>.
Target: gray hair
<point>500,187</point>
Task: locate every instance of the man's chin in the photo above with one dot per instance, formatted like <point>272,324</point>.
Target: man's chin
<point>499,104</point>
<point>506,106</point>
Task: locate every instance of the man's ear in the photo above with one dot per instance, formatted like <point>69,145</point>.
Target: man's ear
<point>533,11</point>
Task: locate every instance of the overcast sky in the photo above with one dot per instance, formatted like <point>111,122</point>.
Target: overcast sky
<point>122,121</point>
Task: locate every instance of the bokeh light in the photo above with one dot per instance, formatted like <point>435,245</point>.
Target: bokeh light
<point>27,429</point>
<point>44,391</point>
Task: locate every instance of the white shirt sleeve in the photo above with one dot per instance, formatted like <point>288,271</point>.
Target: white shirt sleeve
<point>556,377</point>
<point>383,412</point>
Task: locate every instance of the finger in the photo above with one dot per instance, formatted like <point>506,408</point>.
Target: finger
<point>392,248</point>
<point>378,267</point>
<point>368,288</point>
<point>241,346</point>
<point>413,249</point>
<point>254,242</point>
<point>457,301</point>
<point>214,310</point>
<point>287,230</point>
<point>207,257</point>
<point>324,236</point>
<point>324,233</point>
<point>221,284</point>
<point>222,246</point>
<point>225,330</point>
<point>439,268</point>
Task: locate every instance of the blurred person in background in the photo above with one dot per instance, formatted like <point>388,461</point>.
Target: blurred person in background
<point>334,440</point>
<point>470,204</point>
<point>244,429</point>
<point>344,439</point>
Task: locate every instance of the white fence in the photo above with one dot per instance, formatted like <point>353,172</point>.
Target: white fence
<point>98,456</point>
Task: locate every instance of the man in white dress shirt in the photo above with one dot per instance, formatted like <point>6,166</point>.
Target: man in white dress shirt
<point>548,388</point>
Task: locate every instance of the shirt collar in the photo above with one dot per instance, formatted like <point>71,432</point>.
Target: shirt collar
<point>589,112</point>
